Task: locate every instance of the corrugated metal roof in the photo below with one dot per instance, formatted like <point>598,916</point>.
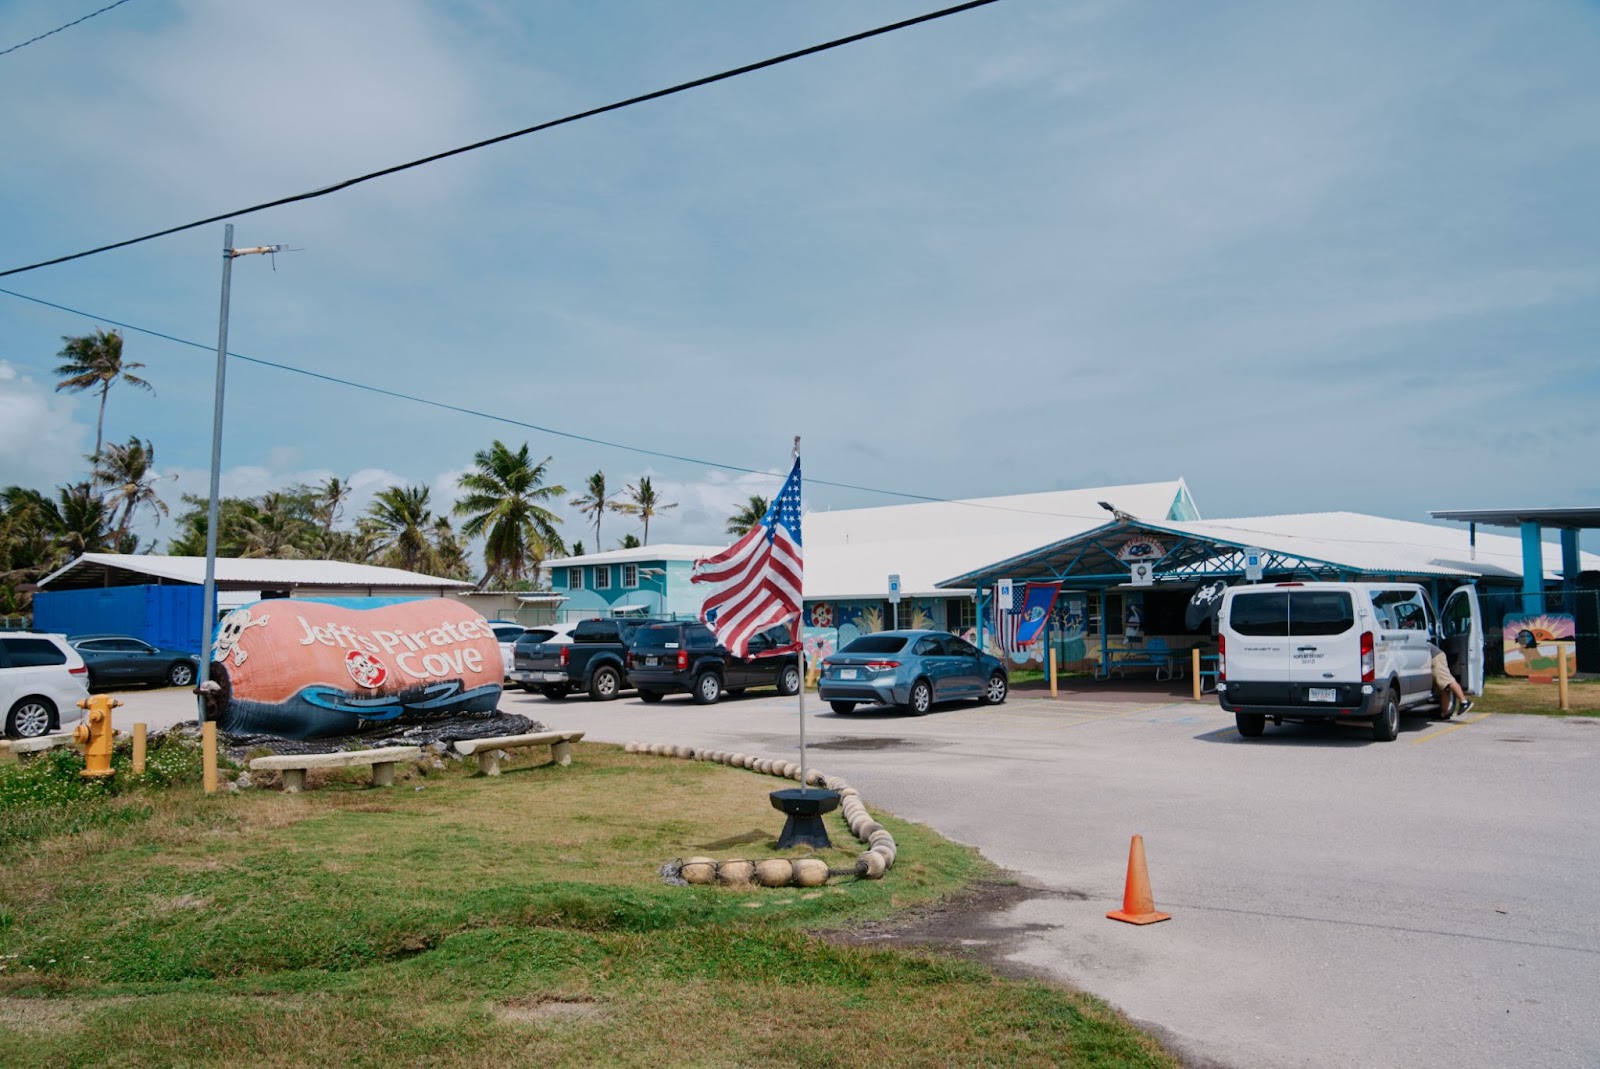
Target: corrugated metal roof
<point>1351,541</point>
<point>851,553</point>
<point>251,573</point>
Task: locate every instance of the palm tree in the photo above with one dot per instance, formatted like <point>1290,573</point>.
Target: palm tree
<point>330,498</point>
<point>644,504</point>
<point>629,541</point>
<point>453,563</point>
<point>503,503</point>
<point>748,516</point>
<point>400,519</point>
<point>126,472</point>
<point>96,360</point>
<point>81,521</point>
<point>597,502</point>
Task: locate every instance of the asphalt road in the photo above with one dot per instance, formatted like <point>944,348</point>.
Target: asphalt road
<point>1336,902</point>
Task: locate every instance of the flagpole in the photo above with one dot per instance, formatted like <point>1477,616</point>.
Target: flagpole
<point>800,639</point>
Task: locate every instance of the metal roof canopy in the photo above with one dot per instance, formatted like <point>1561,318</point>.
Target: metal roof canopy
<point>237,573</point>
<point>1091,559</point>
<point>1572,518</point>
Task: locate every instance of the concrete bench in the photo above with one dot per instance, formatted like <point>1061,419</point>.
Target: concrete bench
<point>294,766</point>
<point>38,744</point>
<point>560,743</point>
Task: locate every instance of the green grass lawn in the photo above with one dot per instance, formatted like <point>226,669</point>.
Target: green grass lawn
<point>1505,695</point>
<point>458,921</point>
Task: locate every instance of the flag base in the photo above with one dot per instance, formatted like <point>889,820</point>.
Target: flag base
<point>805,806</point>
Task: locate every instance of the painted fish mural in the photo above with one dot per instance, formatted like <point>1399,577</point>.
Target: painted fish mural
<point>307,668</point>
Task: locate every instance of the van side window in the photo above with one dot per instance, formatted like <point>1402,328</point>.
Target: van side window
<point>1400,610</point>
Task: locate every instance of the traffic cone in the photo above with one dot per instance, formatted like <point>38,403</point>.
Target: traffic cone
<point>1138,905</point>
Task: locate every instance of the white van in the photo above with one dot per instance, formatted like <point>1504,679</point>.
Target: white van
<point>1326,651</point>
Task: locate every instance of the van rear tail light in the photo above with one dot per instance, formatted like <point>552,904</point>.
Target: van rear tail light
<point>80,671</point>
<point>1222,659</point>
<point>564,658</point>
<point>1369,662</point>
<point>683,660</point>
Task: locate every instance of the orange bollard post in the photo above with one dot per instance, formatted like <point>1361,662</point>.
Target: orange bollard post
<point>139,731</point>
<point>1194,660</point>
<point>1138,905</point>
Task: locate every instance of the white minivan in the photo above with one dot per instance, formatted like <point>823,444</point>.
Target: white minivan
<point>42,680</point>
<point>1336,651</point>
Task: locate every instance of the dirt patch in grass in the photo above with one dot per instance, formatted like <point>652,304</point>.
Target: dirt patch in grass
<point>546,1009</point>
<point>970,925</point>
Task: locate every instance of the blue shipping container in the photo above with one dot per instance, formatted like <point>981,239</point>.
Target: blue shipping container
<point>161,615</point>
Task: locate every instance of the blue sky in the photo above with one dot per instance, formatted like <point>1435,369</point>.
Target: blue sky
<point>1306,256</point>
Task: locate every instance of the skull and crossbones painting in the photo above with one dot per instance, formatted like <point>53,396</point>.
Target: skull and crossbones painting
<point>231,631</point>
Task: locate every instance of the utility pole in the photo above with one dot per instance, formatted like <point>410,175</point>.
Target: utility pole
<point>208,599</point>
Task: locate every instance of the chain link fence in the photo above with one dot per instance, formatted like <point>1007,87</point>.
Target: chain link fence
<point>1581,604</point>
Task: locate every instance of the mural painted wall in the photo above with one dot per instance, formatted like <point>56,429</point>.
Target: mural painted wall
<point>1533,645</point>
<point>309,668</point>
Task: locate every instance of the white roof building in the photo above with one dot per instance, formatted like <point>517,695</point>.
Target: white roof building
<point>244,573</point>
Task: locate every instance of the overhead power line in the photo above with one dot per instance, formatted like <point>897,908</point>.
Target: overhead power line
<point>590,113</point>
<point>58,29</point>
<point>570,435</point>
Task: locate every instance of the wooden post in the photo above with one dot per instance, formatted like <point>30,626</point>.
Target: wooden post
<point>1052,671</point>
<point>1194,659</point>
<point>138,749</point>
<point>1561,676</point>
<point>208,755</point>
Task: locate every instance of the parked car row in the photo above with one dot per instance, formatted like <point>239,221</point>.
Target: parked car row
<point>604,658</point>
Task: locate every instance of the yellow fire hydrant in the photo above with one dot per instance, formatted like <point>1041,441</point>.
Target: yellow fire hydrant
<point>94,735</point>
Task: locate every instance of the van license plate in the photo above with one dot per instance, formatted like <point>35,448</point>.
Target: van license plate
<point>1324,694</point>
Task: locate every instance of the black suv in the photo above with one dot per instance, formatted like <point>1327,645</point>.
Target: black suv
<point>674,658</point>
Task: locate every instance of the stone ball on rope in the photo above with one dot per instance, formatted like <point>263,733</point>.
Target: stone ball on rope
<point>735,873</point>
<point>774,872</point>
<point>810,872</point>
<point>700,870</point>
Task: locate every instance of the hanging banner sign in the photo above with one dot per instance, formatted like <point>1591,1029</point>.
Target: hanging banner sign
<point>1036,605</point>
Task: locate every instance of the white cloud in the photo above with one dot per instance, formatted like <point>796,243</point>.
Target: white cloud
<point>40,444</point>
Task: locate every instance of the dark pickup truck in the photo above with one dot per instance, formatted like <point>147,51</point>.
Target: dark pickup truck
<point>686,657</point>
<point>593,661</point>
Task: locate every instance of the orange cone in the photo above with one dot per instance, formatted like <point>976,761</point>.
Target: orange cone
<point>1138,905</point>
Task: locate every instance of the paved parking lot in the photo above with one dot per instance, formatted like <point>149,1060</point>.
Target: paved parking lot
<point>1336,902</point>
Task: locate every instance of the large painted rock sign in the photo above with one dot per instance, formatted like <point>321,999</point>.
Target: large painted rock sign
<point>307,668</point>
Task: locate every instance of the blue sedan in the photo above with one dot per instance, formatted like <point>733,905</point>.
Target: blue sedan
<point>115,660</point>
<point>910,669</point>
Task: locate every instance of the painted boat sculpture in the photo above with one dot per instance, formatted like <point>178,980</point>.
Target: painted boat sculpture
<point>308,668</point>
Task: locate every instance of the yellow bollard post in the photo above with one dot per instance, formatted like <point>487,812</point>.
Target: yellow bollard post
<point>1194,660</point>
<point>138,749</point>
<point>208,756</point>
<point>1561,676</point>
<point>1052,671</point>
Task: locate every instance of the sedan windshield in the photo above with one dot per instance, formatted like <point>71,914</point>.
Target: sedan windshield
<point>876,644</point>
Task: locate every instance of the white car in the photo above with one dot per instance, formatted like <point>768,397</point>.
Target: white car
<point>1336,651</point>
<point>42,680</point>
<point>506,633</point>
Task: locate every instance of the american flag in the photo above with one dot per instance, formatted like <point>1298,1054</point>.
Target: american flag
<point>758,578</point>
<point>1007,616</point>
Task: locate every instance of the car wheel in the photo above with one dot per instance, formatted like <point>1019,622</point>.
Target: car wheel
<point>555,692</point>
<point>649,697</point>
<point>605,683</point>
<point>921,697</point>
<point>707,688</point>
<point>1250,725</point>
<point>30,718</point>
<point>789,680</point>
<point>1386,725</point>
<point>181,675</point>
<point>995,691</point>
<point>843,708</point>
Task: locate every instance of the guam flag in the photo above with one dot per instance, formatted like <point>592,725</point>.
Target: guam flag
<point>1036,605</point>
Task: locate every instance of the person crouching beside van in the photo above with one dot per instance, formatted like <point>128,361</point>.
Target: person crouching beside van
<point>1444,684</point>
